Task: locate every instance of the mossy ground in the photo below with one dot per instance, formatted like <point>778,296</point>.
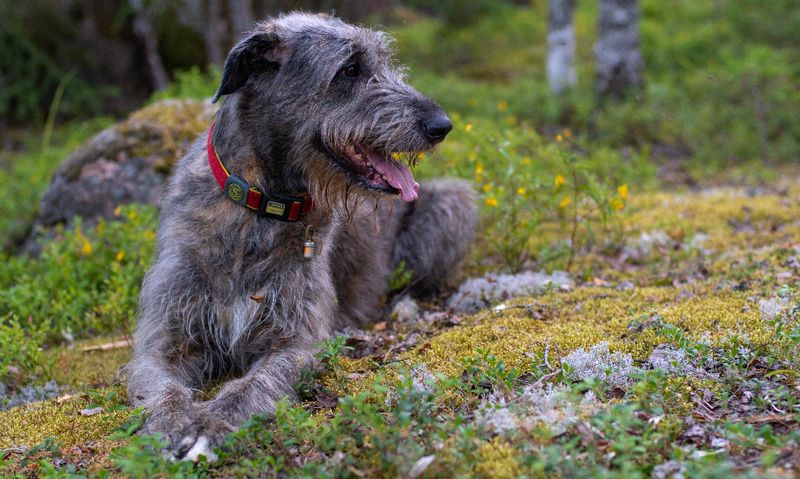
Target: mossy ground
<point>708,292</point>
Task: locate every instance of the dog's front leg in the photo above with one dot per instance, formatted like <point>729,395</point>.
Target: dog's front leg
<point>170,407</point>
<point>269,380</point>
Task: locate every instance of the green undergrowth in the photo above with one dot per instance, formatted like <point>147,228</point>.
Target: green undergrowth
<point>83,284</point>
<point>487,418</point>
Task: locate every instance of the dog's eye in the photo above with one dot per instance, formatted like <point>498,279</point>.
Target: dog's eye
<point>352,70</point>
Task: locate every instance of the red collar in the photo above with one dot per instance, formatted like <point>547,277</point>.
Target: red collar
<point>282,207</point>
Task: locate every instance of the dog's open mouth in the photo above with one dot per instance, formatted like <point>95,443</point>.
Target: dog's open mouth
<point>381,172</point>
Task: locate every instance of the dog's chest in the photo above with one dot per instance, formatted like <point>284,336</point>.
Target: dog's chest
<point>271,301</point>
<point>244,317</point>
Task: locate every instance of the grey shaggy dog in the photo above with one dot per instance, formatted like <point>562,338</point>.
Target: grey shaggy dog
<point>313,105</point>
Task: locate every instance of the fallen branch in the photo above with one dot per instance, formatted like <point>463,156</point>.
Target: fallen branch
<point>122,343</point>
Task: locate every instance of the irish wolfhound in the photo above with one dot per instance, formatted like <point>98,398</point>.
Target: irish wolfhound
<point>249,273</point>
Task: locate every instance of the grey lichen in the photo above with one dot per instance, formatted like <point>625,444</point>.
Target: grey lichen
<point>479,293</point>
<point>614,369</point>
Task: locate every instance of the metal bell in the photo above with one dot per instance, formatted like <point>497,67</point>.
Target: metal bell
<point>309,249</point>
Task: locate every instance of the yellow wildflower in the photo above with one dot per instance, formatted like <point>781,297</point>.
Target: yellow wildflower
<point>120,256</point>
<point>521,191</point>
<point>491,201</point>
<point>131,215</point>
<point>396,155</point>
<point>559,138</point>
<point>479,169</point>
<point>623,191</point>
<point>567,133</point>
<point>149,235</point>
<point>487,187</point>
<point>468,127</point>
<point>421,156</point>
<point>86,249</point>
<point>526,160</point>
<point>617,204</point>
<point>565,202</point>
<point>502,105</point>
<point>117,211</point>
<point>559,180</point>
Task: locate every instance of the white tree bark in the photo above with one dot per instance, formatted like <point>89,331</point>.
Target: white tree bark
<point>561,46</point>
<point>619,59</point>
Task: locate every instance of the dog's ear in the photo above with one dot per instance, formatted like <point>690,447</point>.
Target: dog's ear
<point>256,53</point>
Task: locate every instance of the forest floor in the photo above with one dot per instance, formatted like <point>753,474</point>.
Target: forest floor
<point>677,359</point>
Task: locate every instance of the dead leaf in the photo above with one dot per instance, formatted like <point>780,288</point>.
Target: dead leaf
<point>379,326</point>
<point>91,412</point>
<point>420,466</point>
<point>257,298</point>
<point>771,418</point>
<point>357,472</point>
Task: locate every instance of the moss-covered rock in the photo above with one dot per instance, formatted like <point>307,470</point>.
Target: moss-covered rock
<point>126,163</point>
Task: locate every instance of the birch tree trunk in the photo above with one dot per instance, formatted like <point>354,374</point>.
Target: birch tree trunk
<point>619,59</point>
<point>242,16</point>
<point>216,33</point>
<point>561,46</point>
<point>145,31</point>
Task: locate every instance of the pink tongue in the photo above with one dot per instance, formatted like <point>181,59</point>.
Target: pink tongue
<point>398,175</point>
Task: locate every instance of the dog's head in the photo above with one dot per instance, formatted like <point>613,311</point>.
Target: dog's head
<point>326,97</point>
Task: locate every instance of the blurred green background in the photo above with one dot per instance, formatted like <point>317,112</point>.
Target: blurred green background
<point>721,76</point>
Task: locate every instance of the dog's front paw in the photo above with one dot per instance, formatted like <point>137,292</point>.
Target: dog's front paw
<point>199,438</point>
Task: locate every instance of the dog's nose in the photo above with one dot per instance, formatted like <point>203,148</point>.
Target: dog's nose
<point>437,127</point>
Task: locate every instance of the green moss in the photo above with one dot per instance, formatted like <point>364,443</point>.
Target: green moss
<point>78,367</point>
<point>497,460</point>
<point>166,129</point>
<point>730,217</point>
<point>577,319</point>
<point>28,425</point>
<point>588,316</point>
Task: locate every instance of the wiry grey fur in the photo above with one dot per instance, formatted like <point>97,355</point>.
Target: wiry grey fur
<point>230,296</point>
